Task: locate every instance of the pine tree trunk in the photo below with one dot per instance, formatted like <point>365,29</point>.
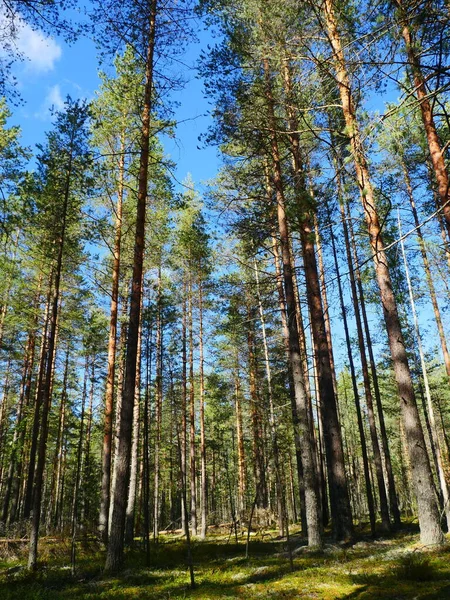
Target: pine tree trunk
<point>309,471</point>
<point>428,512</point>
<point>384,507</point>
<point>158,412</point>
<point>75,500</point>
<point>43,354</point>
<point>114,557</point>
<point>426,268</point>
<point>192,448</point>
<point>112,343</point>
<point>242,484</point>
<point>393,498</point>
<point>48,379</point>
<point>434,433</point>
<point>184,523</point>
<point>295,417</point>
<point>339,498</point>
<point>281,498</point>
<point>434,145</point>
<point>362,435</point>
<point>259,467</point>
<point>131,500</point>
<point>204,497</point>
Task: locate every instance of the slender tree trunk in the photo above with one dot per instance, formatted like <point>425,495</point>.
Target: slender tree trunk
<point>384,507</point>
<point>362,435</point>
<point>204,497</point>
<point>434,432</point>
<point>158,411</point>
<point>43,356</point>
<point>295,417</point>
<point>339,498</point>
<point>131,501</point>
<point>114,557</point>
<point>310,475</point>
<point>112,343</point>
<point>393,498</point>
<point>431,532</point>
<point>75,501</point>
<point>259,467</point>
<point>437,153</point>
<point>184,523</point>
<point>192,456</point>
<point>242,485</point>
<point>52,505</point>
<point>426,268</point>
<point>51,354</point>
<point>19,431</point>
<point>273,427</point>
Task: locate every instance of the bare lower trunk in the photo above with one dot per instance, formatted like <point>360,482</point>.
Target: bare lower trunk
<point>426,267</point>
<point>434,434</point>
<point>114,557</point>
<point>393,499</point>
<point>110,378</point>
<point>192,453</point>
<point>309,471</point>
<point>429,521</point>
<point>384,508</point>
<point>204,498</point>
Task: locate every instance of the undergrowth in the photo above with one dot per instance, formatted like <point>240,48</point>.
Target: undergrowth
<point>390,568</point>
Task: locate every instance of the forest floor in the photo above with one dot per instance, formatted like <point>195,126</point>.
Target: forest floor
<point>397,567</point>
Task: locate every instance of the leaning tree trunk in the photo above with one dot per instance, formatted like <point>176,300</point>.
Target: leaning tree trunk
<point>437,151</point>
<point>428,512</point>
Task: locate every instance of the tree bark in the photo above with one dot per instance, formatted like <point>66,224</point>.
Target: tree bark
<point>114,556</point>
<point>112,344</point>
<point>428,512</point>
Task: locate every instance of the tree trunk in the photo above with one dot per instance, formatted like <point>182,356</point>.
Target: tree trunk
<point>158,411</point>
<point>393,498</point>
<point>204,498</point>
<point>426,268</point>
<point>192,457</point>
<point>437,152</point>
<point>431,532</point>
<point>114,557</point>
<point>434,432</point>
<point>309,471</point>
<point>362,435</point>
<point>112,343</point>
<point>131,501</point>
<point>384,508</point>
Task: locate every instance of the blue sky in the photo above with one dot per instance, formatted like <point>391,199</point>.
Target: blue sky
<point>52,70</point>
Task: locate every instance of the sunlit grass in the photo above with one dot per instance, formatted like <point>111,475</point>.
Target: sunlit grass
<point>386,569</point>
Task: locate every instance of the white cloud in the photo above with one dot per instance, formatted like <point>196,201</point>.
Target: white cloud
<point>52,101</point>
<point>40,51</point>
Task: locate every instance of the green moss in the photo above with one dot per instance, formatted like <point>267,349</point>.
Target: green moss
<point>385,569</point>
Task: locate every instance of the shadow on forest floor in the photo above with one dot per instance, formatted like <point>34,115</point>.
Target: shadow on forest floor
<point>387,568</point>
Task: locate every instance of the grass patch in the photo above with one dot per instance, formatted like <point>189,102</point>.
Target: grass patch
<point>369,570</point>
